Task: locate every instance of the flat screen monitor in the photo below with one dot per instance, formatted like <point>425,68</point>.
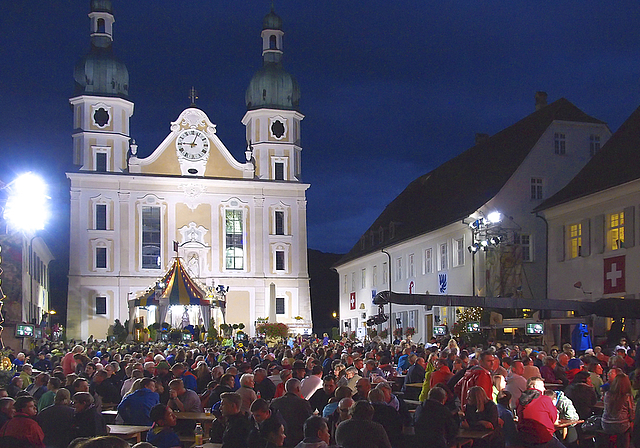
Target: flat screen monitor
<point>25,331</point>
<point>473,327</point>
<point>187,337</point>
<point>440,330</point>
<point>38,333</point>
<point>535,329</point>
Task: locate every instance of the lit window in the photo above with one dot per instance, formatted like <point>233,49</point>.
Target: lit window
<point>594,144</point>
<point>575,240</point>
<point>411,266</point>
<point>428,261</point>
<point>444,263</point>
<point>234,248</point>
<point>559,144</point>
<point>151,238</point>
<point>101,217</point>
<point>363,277</point>
<point>615,231</point>
<point>536,188</point>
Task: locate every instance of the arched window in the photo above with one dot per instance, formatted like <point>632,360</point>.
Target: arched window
<point>101,26</point>
<point>272,43</point>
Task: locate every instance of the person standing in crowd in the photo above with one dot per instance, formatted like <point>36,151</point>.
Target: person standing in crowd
<point>246,392</point>
<point>237,425</point>
<point>263,385</point>
<point>619,411</point>
<point>56,421</point>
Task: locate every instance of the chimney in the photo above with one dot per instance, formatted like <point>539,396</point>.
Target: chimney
<point>541,100</point>
<point>481,138</point>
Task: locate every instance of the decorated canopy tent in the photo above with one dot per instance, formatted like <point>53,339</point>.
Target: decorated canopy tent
<point>175,288</point>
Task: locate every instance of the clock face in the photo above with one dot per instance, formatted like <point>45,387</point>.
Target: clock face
<point>192,144</point>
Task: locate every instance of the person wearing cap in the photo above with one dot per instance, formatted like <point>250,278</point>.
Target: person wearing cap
<point>299,370</point>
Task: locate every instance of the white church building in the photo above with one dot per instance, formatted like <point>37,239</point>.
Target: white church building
<point>237,224</point>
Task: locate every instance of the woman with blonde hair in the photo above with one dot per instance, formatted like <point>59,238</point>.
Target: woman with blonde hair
<point>619,410</point>
<point>452,347</point>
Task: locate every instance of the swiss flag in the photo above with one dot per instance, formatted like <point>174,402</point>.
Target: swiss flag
<point>352,301</point>
<point>614,275</point>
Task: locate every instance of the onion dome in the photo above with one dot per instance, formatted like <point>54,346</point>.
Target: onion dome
<point>272,86</point>
<point>100,72</point>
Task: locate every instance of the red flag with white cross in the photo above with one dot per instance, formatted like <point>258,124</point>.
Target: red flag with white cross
<point>352,301</point>
<point>614,275</point>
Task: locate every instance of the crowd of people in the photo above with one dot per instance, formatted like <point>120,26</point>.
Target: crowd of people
<point>319,393</point>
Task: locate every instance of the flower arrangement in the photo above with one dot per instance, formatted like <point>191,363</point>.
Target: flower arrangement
<point>384,334</point>
<point>410,331</point>
<point>273,330</point>
<point>397,332</point>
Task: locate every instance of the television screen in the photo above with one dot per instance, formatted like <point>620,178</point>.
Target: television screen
<point>187,337</point>
<point>535,329</point>
<point>473,327</point>
<point>440,330</point>
<point>24,331</point>
<point>38,333</point>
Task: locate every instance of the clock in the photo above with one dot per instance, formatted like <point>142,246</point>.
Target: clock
<point>192,144</point>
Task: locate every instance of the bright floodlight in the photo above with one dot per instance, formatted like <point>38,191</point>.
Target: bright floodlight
<point>26,208</point>
<point>494,217</point>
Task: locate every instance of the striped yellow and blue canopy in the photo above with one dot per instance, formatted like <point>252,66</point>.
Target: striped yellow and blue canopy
<point>180,289</point>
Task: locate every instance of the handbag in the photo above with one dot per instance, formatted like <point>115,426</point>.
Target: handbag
<point>592,424</point>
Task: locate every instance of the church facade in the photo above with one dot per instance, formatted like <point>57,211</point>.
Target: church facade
<point>239,225</point>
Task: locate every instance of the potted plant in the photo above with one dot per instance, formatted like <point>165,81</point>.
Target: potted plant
<point>410,331</point>
<point>384,334</point>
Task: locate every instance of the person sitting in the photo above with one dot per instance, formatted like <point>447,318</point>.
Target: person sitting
<point>237,426</point>
<point>582,394</point>
<point>272,432</point>
<point>505,414</point>
<point>39,386</point>
<point>161,434</point>
<point>316,433</point>
<point>263,385</point>
<point>547,371</point>
<point>387,416</point>
<point>56,420</point>
<point>189,380</point>
<point>48,398</point>
<point>537,416</point>
<point>482,413</point>
<point>321,397</point>
<point>294,410</point>
<point>225,385</point>
<point>135,408</point>
<point>105,389</point>
<point>15,386</point>
<point>247,393</point>
<point>434,425</point>
<point>566,411</point>
<point>88,421</point>
<point>22,427</point>
<point>360,430</point>
<point>7,411</point>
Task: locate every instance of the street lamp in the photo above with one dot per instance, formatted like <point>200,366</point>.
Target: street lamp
<point>26,210</point>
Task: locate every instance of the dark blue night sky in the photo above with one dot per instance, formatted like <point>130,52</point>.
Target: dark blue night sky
<point>390,90</point>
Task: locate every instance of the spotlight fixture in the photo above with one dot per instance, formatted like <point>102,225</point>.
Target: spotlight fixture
<point>494,217</point>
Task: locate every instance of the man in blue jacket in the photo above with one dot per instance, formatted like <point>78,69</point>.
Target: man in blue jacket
<point>135,408</point>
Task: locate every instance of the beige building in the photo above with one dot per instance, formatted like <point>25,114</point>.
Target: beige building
<point>240,224</point>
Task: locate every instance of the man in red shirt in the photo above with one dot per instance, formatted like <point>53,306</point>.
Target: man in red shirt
<point>479,375</point>
<point>537,416</point>
<point>23,427</point>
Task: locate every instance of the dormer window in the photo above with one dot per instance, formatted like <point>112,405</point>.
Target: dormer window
<point>272,43</point>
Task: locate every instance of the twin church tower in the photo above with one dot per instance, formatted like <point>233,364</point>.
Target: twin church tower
<point>238,224</point>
